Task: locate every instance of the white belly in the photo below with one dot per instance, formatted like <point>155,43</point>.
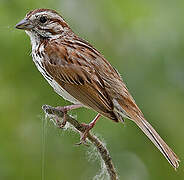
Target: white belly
<point>59,90</point>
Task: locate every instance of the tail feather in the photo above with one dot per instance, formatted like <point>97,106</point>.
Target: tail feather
<point>126,107</point>
<point>158,141</point>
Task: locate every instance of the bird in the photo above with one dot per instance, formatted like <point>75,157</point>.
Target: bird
<point>79,73</point>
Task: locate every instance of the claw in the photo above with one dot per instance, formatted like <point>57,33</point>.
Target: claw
<point>87,127</point>
<point>82,142</point>
<point>62,125</point>
<point>59,123</point>
<point>84,135</point>
<point>64,110</point>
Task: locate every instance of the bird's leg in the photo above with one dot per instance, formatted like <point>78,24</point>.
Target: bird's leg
<point>88,127</point>
<point>65,109</point>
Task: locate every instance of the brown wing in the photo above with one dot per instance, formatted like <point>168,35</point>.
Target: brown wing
<point>71,70</point>
<point>85,74</point>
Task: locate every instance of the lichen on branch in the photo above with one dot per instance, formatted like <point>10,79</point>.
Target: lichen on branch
<point>101,148</point>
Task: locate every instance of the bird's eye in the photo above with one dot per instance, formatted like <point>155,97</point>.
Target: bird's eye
<point>43,19</point>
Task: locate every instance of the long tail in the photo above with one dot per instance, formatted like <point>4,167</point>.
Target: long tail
<point>126,107</point>
<point>158,141</point>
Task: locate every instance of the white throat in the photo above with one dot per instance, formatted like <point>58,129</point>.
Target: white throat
<point>35,39</point>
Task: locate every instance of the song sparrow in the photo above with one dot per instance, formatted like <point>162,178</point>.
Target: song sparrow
<point>81,75</point>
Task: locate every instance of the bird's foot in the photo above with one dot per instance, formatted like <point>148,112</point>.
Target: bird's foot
<point>87,128</point>
<point>65,110</point>
<point>59,123</point>
<point>83,136</point>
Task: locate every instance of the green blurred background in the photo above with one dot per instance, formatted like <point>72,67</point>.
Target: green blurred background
<point>144,40</point>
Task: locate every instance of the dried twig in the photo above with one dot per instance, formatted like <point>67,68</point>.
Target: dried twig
<point>94,140</point>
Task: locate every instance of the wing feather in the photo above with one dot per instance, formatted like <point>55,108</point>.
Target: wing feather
<point>79,80</point>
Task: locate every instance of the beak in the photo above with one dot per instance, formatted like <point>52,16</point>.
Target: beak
<point>24,24</point>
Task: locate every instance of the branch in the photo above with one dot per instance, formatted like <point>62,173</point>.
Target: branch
<point>104,153</point>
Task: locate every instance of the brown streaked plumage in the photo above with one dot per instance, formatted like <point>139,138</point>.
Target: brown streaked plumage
<point>80,74</point>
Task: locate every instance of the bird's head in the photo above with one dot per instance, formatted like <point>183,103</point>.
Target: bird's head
<point>46,23</point>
